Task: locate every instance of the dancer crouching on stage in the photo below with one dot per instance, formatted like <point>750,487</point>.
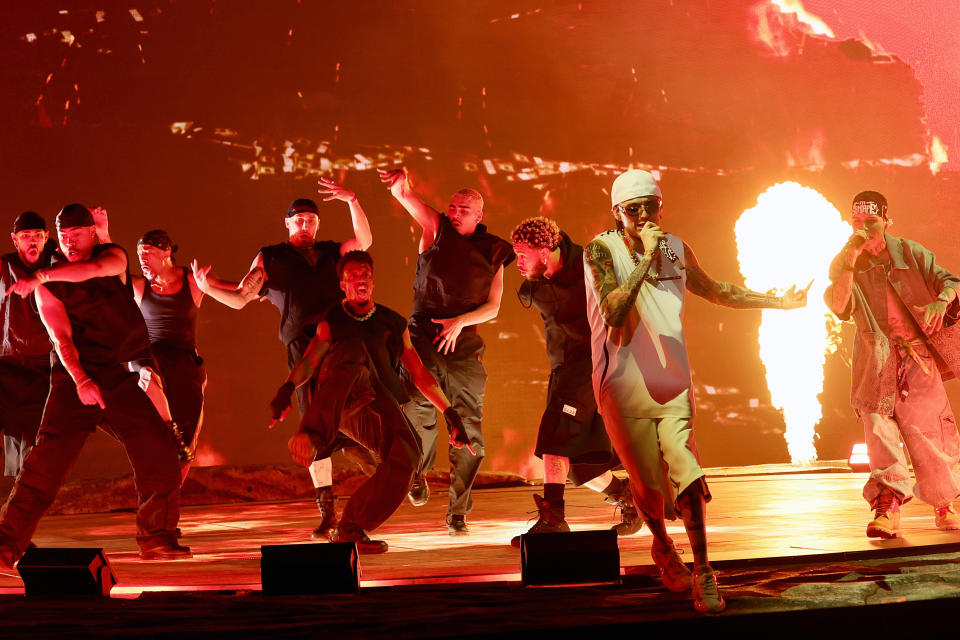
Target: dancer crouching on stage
<point>572,439</point>
<point>905,307</point>
<point>356,354</point>
<point>86,303</point>
<point>637,277</point>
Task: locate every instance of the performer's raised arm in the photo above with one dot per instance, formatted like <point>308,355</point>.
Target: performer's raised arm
<point>426,216</point>
<point>735,296</point>
<point>362,237</point>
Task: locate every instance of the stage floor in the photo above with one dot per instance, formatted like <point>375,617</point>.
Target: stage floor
<point>754,518</point>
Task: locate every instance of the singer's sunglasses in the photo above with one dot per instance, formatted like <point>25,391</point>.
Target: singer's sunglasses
<point>634,209</point>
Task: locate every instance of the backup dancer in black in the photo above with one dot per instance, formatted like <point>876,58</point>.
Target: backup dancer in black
<point>169,300</point>
<point>572,440</point>
<point>299,277</point>
<point>458,285</point>
<point>356,354</point>
<point>96,328</point>
<point>25,346</point>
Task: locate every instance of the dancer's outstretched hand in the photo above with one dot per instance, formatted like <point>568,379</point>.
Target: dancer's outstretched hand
<point>280,405</point>
<point>458,432</point>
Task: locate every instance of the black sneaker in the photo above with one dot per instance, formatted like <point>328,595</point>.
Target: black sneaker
<point>457,524</point>
<point>347,533</point>
<point>419,491</point>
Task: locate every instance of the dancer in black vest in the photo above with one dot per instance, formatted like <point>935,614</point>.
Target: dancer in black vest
<point>25,346</point>
<point>357,352</point>
<point>458,285</point>
<point>299,277</point>
<point>169,299</point>
<point>96,328</point>
<point>572,440</point>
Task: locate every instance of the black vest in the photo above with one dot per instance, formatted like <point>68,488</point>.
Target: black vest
<point>455,272</point>
<point>562,303</point>
<point>108,328</point>
<point>298,290</point>
<point>24,335</point>
<point>382,333</point>
<point>171,320</point>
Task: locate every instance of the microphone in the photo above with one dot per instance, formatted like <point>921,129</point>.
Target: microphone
<point>667,251</point>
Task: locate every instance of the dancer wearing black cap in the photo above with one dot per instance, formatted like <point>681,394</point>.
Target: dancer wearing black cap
<point>299,277</point>
<point>96,328</point>
<point>25,347</point>
<point>169,299</point>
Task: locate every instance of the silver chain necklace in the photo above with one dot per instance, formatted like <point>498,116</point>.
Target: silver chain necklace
<point>363,318</point>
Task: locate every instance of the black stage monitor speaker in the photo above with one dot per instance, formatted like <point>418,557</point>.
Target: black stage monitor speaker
<point>66,572</point>
<point>288,569</point>
<point>576,557</point>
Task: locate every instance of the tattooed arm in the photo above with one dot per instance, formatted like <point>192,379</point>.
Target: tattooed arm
<point>230,293</point>
<point>731,295</point>
<point>616,300</point>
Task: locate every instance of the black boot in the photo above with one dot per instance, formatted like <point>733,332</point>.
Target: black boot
<point>552,519</point>
<point>630,520</point>
<point>328,513</point>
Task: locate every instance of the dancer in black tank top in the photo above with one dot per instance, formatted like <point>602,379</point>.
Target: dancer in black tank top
<point>169,299</point>
<point>87,305</point>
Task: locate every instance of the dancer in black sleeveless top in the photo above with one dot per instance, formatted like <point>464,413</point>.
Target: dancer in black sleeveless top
<point>96,328</point>
<point>357,352</point>
<point>169,300</point>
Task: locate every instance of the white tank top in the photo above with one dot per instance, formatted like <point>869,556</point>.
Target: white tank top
<point>642,366</point>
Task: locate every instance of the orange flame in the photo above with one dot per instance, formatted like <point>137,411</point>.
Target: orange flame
<point>793,344</point>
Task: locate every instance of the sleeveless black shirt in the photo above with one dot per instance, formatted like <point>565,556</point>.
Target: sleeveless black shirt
<point>382,333</point>
<point>172,319</point>
<point>562,303</point>
<point>454,274</point>
<point>108,328</point>
<point>24,335</point>
<point>299,290</point>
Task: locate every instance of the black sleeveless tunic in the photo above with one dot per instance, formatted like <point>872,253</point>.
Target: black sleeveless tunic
<point>24,335</point>
<point>108,328</point>
<point>454,274</point>
<point>382,333</point>
<point>299,290</point>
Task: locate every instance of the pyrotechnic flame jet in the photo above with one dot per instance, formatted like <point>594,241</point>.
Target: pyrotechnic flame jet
<point>788,238</point>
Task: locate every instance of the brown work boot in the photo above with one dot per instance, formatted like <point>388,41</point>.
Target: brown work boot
<point>886,516</point>
<point>551,520</point>
<point>328,514</point>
